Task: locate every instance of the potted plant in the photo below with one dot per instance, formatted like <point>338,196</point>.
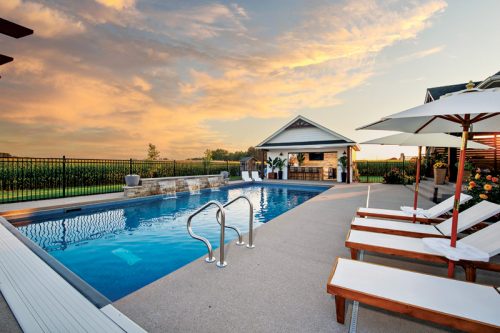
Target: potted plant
<point>132,180</point>
<point>272,165</point>
<point>440,169</point>
<point>301,158</point>
<point>280,164</point>
<point>343,163</point>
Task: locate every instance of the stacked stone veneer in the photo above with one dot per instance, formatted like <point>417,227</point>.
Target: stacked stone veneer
<point>171,185</point>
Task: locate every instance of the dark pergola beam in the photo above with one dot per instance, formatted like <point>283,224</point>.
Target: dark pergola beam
<point>13,30</point>
<point>5,59</point>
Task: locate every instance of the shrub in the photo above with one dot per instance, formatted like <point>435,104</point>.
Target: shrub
<point>394,176</point>
<point>482,186</point>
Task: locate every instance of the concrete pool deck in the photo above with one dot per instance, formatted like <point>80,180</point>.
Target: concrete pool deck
<point>280,285</point>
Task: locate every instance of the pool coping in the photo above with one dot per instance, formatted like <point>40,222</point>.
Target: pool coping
<point>13,219</point>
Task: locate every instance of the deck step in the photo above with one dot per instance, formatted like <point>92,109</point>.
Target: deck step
<point>427,189</point>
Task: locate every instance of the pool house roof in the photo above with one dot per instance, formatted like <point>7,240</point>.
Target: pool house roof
<point>302,132</point>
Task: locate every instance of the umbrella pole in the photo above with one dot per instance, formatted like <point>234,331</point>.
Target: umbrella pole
<point>458,191</point>
<point>417,181</point>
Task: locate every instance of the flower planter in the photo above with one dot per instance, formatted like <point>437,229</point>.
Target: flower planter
<point>271,175</point>
<point>132,180</point>
<point>439,176</point>
<point>280,174</point>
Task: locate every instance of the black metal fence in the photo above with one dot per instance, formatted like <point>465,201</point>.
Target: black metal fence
<point>374,171</point>
<point>25,179</point>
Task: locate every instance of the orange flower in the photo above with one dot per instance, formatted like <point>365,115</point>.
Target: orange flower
<point>487,187</point>
<point>478,175</point>
<point>483,196</point>
<point>472,184</point>
<point>488,177</point>
<point>494,179</point>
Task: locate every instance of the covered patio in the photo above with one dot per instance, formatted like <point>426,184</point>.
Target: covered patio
<point>311,152</point>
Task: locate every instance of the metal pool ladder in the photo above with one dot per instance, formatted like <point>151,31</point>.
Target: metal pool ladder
<point>221,219</point>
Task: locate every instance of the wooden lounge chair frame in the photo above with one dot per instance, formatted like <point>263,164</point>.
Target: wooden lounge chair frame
<point>342,294</point>
<point>393,231</point>
<point>470,267</point>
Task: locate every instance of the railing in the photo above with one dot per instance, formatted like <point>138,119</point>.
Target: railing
<point>250,222</point>
<point>26,179</point>
<point>375,171</point>
<point>222,211</point>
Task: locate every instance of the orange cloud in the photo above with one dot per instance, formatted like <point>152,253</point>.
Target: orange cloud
<point>165,75</point>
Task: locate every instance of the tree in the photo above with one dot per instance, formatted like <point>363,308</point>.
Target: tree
<point>153,153</point>
<point>220,154</point>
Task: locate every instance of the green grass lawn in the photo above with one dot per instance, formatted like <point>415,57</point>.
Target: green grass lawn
<point>25,195</point>
<point>234,177</point>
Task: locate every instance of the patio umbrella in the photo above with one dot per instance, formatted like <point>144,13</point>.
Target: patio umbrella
<point>419,140</point>
<point>470,109</point>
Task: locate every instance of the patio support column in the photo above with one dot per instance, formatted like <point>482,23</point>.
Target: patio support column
<point>417,181</point>
<point>458,190</point>
<point>348,176</point>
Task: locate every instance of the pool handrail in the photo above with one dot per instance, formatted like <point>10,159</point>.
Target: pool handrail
<point>221,263</point>
<point>250,221</point>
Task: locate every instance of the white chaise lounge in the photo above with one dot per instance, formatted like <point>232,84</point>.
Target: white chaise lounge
<point>486,240</point>
<point>246,176</point>
<point>462,305</point>
<point>466,219</point>
<point>406,213</point>
<point>256,177</point>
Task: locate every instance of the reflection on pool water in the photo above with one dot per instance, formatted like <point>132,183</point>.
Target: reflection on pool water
<point>123,248</point>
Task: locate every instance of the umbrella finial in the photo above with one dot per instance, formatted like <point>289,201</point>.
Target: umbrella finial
<point>470,85</point>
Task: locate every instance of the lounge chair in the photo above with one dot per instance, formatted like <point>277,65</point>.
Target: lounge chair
<point>462,305</point>
<point>256,177</point>
<point>245,176</point>
<point>466,219</point>
<point>486,240</point>
<point>406,213</point>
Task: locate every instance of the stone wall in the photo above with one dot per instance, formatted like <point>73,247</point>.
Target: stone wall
<point>172,185</point>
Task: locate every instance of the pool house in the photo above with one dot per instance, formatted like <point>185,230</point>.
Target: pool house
<point>311,152</point>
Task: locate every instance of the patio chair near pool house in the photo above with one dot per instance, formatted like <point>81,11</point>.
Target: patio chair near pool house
<point>246,176</point>
<point>311,152</point>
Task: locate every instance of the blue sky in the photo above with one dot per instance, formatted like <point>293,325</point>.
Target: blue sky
<point>103,78</point>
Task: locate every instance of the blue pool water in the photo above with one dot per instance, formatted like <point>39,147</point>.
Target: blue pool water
<point>120,249</point>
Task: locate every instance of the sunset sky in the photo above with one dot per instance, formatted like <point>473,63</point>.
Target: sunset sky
<point>104,78</point>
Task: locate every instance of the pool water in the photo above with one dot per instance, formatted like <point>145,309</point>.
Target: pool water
<point>120,249</point>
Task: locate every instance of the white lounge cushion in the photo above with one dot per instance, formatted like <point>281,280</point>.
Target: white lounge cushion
<point>457,298</point>
<point>256,177</point>
<point>487,239</point>
<point>466,219</point>
<point>433,212</point>
<point>470,217</point>
<point>245,176</point>
<point>396,225</point>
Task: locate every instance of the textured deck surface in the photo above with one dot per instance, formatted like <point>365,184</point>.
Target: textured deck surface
<point>280,286</point>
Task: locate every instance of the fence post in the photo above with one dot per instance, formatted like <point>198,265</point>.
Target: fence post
<point>174,168</point>
<point>404,180</point>
<point>205,167</point>
<point>130,167</point>
<point>227,165</point>
<point>367,177</point>
<point>64,176</point>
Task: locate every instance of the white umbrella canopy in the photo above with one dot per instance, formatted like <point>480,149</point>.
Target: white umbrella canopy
<point>470,109</point>
<point>425,139</point>
<point>441,116</point>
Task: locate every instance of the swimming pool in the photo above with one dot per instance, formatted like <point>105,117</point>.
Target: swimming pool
<point>120,248</point>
